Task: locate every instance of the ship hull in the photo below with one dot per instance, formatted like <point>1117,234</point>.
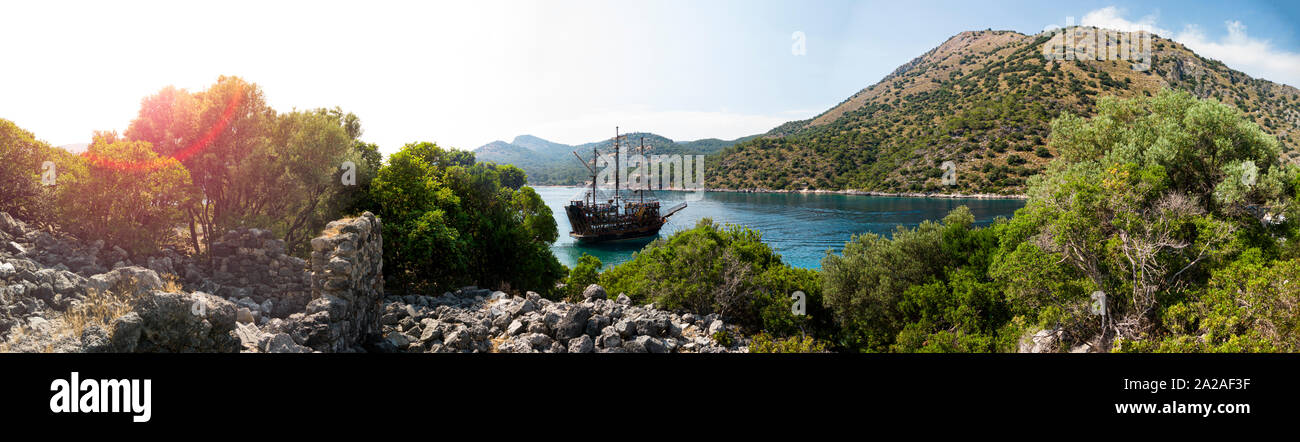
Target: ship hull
<point>622,235</point>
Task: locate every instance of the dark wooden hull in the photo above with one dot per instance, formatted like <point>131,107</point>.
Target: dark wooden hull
<point>617,235</point>
<point>607,225</point>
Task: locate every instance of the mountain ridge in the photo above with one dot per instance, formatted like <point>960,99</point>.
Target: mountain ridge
<point>550,163</point>
<point>984,100</point>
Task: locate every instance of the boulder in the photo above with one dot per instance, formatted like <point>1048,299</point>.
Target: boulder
<point>594,291</point>
<point>137,280</point>
<point>573,323</point>
<point>183,323</point>
<point>582,344</point>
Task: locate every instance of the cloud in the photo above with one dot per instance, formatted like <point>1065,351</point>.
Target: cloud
<point>1256,57</point>
<point>1259,58</point>
<point>1111,17</point>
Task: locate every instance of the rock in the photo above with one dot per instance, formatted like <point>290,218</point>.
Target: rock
<point>16,249</point>
<point>126,332</point>
<point>515,328</point>
<point>625,328</point>
<point>537,341</point>
<point>94,339</point>
<point>498,295</point>
<point>645,344</point>
<point>38,324</point>
<point>458,339</point>
<point>398,339</point>
<point>596,324</point>
<point>573,323</point>
<point>177,323</point>
<point>581,344</point>
<point>136,280</point>
<point>522,308</point>
<point>244,316</point>
<point>623,299</point>
<point>716,326</point>
<point>594,291</point>
<point>430,333</point>
<point>6,269</point>
<point>281,343</point>
<point>1043,341</point>
<point>249,336</point>
<point>609,339</point>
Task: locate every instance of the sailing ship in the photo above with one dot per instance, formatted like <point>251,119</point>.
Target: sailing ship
<point>598,217</point>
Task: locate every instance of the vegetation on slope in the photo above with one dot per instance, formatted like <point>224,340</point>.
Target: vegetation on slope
<point>983,100</point>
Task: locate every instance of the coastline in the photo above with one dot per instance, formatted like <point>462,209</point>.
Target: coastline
<point>989,196</point>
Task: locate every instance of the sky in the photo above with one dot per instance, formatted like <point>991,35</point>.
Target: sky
<point>465,73</point>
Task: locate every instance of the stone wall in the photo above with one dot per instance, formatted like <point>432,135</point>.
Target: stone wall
<point>347,288</point>
<point>251,263</point>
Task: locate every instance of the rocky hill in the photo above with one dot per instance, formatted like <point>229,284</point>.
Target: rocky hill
<point>983,100</point>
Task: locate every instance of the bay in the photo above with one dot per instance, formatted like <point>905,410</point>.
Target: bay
<point>801,227</point>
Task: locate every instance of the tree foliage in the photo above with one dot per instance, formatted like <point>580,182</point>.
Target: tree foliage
<point>720,269</point>
<point>449,221</point>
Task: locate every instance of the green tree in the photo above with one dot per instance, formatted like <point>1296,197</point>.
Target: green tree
<point>449,221</point>
<point>1146,198</point>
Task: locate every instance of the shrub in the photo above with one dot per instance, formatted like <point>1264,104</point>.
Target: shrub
<point>764,343</point>
<point>720,269</point>
<point>583,274</point>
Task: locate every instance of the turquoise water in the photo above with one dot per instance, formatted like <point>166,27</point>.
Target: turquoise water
<point>800,227</point>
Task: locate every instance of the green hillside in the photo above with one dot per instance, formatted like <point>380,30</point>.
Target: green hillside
<point>984,100</point>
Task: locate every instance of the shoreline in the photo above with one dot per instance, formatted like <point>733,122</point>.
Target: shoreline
<point>981,196</point>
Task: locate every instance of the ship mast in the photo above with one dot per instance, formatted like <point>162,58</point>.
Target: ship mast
<point>616,174</point>
<point>644,176</point>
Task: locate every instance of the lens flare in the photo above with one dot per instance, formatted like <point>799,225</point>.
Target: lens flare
<point>193,148</point>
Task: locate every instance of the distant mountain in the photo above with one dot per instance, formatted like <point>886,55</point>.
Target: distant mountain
<point>75,148</point>
<point>985,101</point>
<point>550,163</point>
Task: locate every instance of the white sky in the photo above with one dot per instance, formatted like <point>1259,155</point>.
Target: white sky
<point>463,73</point>
<point>459,73</point>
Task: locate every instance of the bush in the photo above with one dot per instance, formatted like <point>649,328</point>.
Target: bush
<point>924,286</point>
<point>586,272</point>
<point>720,269</point>
<point>449,222</point>
<point>764,343</point>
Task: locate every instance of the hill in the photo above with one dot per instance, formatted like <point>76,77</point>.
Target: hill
<point>984,100</point>
<point>550,163</point>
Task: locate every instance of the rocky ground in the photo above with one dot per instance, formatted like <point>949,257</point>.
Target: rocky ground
<point>473,320</point>
<point>477,320</point>
<point>57,295</point>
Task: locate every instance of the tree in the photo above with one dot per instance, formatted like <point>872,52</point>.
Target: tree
<point>21,159</point>
<point>1148,196</point>
<point>449,222</point>
<point>211,133</point>
<point>129,197</point>
<point>254,167</point>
